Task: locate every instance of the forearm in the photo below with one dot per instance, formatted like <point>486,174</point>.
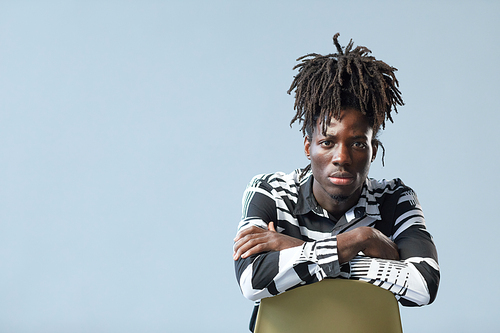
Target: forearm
<point>269,274</point>
<point>368,240</point>
<point>401,277</point>
<point>413,279</point>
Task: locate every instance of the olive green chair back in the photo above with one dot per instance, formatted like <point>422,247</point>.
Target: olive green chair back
<point>332,305</point>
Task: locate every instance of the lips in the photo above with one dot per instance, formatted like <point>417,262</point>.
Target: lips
<point>341,178</point>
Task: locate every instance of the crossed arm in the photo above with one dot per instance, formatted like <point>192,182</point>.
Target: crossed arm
<point>268,262</point>
<point>370,241</point>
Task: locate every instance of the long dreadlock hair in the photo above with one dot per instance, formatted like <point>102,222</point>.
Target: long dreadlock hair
<point>351,78</point>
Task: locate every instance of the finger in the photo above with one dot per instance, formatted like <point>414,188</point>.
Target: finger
<point>256,248</point>
<point>270,226</point>
<point>249,249</point>
<point>247,243</point>
<point>248,231</point>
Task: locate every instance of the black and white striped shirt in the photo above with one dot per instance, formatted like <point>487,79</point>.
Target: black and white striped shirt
<point>388,206</point>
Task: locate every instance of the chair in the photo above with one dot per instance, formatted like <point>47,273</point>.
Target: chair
<point>332,305</point>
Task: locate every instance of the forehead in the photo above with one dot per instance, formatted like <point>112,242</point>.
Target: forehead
<point>350,121</point>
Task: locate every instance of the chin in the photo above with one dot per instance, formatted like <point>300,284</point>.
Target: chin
<point>339,197</point>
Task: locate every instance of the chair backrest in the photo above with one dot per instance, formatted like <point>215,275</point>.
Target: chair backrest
<point>332,305</point>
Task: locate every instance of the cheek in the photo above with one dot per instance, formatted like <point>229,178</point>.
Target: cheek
<point>365,163</point>
<point>320,158</point>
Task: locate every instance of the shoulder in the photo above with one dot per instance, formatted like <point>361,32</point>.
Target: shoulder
<point>393,191</point>
<point>267,191</point>
<point>387,187</point>
<point>277,180</point>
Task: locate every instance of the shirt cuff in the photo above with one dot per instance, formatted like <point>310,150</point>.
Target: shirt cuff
<point>324,254</point>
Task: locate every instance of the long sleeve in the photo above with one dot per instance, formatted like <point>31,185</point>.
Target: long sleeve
<point>269,274</point>
<point>402,278</point>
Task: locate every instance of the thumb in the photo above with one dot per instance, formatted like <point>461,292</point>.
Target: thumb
<point>270,227</point>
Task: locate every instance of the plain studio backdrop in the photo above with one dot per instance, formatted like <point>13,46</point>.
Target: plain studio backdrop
<point>129,130</point>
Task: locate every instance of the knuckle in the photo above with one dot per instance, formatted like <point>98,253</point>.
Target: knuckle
<point>260,247</point>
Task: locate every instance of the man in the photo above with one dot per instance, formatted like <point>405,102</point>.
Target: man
<point>330,220</point>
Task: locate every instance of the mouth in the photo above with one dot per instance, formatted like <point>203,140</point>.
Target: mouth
<point>341,178</point>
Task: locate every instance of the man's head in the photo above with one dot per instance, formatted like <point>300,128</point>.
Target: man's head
<point>342,100</point>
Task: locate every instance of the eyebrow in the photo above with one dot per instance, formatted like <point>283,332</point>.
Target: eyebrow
<point>356,137</point>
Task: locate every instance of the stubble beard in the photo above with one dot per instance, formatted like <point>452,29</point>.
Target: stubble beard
<point>339,198</point>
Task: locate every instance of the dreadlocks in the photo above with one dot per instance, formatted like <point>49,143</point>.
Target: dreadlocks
<point>348,79</point>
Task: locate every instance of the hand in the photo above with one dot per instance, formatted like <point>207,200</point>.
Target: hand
<point>370,241</point>
<point>255,240</point>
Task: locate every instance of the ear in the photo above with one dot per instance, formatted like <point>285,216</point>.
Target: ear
<point>307,147</point>
<point>374,149</point>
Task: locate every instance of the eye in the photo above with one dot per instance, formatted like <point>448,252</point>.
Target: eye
<point>325,143</point>
<point>361,145</point>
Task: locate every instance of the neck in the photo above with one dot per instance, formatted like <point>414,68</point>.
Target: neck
<point>335,205</point>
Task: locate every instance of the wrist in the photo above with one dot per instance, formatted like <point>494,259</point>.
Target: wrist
<point>364,239</point>
<point>350,243</point>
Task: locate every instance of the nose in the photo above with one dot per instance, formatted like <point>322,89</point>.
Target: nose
<point>341,155</point>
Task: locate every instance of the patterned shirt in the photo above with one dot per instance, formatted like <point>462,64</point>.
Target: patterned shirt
<point>288,201</point>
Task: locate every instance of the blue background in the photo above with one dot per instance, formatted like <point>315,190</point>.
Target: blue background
<point>129,130</point>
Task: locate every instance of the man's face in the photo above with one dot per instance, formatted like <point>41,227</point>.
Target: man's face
<point>340,160</point>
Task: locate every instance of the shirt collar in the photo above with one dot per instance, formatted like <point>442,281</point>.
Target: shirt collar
<point>306,201</point>
<point>366,205</point>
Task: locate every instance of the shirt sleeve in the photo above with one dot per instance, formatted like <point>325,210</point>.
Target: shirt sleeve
<point>414,279</point>
<point>271,273</point>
